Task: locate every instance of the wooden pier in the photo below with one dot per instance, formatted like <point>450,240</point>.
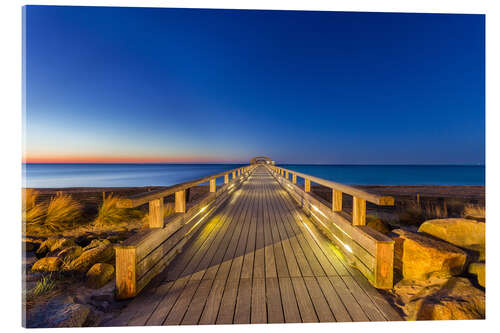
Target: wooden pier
<point>258,249</point>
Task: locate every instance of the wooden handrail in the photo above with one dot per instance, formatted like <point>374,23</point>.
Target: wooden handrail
<point>143,198</point>
<point>380,200</point>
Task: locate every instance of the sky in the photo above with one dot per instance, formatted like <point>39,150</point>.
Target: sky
<point>104,84</point>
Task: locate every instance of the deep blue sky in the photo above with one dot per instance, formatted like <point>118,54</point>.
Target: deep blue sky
<point>150,84</point>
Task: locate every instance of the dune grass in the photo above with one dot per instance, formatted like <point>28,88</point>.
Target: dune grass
<point>110,214</point>
<point>62,212</point>
<point>475,210</point>
<point>43,286</point>
<point>33,213</point>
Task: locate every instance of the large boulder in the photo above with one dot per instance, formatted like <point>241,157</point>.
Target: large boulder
<point>417,256</point>
<point>88,258</point>
<point>467,234</point>
<point>457,299</point>
<point>45,246</point>
<point>478,269</point>
<point>96,243</point>
<point>70,253</point>
<point>99,275</point>
<point>47,264</point>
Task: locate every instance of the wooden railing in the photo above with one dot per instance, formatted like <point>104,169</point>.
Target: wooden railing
<point>147,253</point>
<point>367,249</point>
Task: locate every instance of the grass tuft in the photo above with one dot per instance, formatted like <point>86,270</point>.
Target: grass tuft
<point>43,286</point>
<point>474,210</point>
<point>62,212</point>
<point>110,213</point>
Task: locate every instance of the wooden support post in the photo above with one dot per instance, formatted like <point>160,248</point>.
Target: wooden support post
<point>125,276</point>
<point>180,201</point>
<point>294,178</point>
<point>358,211</point>
<point>239,172</point>
<point>156,209</point>
<point>336,200</point>
<point>226,179</point>
<point>307,185</point>
<point>213,188</point>
<point>286,174</point>
<point>384,265</point>
<point>234,174</point>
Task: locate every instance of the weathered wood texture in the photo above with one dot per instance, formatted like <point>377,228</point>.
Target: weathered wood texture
<point>368,250</point>
<point>257,259</point>
<point>154,249</point>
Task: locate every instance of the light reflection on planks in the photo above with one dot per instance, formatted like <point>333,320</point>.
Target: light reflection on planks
<point>257,261</point>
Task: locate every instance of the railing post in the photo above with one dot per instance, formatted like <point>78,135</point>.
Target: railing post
<point>336,200</point>
<point>239,172</point>
<point>180,201</point>
<point>212,185</point>
<point>286,174</point>
<point>358,211</point>
<point>226,178</point>
<point>294,178</point>
<point>234,174</point>
<point>156,210</point>
<point>125,276</point>
<point>307,185</point>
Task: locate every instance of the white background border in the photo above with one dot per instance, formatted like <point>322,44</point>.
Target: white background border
<point>11,144</point>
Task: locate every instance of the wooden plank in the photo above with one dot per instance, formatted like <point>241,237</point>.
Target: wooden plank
<point>372,312</point>
<point>229,299</point>
<point>333,299</point>
<point>142,198</point>
<point>289,301</point>
<point>273,300</point>
<point>125,273</point>
<point>258,307</point>
<point>293,267</point>
<point>197,304</point>
<point>281,264</point>
<point>180,201</point>
<point>304,302</point>
<point>319,301</point>
<point>243,302</point>
<point>156,212</point>
<point>336,200</point>
<point>352,306</point>
<point>353,191</point>
<point>164,307</point>
<point>358,211</point>
<point>180,307</point>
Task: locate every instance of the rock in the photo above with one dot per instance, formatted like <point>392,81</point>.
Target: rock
<point>96,243</point>
<point>417,256</point>
<point>70,253</point>
<point>62,243</point>
<point>47,264</point>
<point>61,311</point>
<point>99,275</point>
<point>467,234</point>
<point>478,269</point>
<point>378,224</point>
<point>457,299</point>
<point>92,256</point>
<point>45,247</point>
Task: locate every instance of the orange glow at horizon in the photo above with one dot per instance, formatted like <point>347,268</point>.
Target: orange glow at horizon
<point>122,159</point>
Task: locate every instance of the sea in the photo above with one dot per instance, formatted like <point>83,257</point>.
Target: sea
<point>61,175</point>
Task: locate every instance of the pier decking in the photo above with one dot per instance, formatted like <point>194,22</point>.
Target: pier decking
<point>257,258</point>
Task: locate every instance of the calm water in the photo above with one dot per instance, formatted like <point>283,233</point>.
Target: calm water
<point>124,175</point>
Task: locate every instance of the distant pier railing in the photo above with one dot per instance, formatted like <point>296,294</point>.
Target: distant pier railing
<point>369,250</point>
<point>147,253</point>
